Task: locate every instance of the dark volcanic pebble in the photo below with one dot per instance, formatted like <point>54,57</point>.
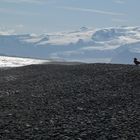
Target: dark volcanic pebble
<point>70,102</point>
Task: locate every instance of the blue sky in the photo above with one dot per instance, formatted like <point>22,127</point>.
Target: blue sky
<point>40,16</point>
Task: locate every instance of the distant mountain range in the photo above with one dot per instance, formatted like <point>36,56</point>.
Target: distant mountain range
<point>108,45</point>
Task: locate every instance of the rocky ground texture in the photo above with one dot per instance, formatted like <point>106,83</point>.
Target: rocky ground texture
<point>70,102</point>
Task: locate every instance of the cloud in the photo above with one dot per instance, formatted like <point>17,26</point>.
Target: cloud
<point>6,31</point>
<point>93,11</point>
<point>119,1</point>
<point>11,29</point>
<point>24,1</point>
<point>15,12</point>
<point>119,20</point>
<point>20,26</point>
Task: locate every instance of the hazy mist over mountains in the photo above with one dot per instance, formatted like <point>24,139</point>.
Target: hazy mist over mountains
<point>107,45</point>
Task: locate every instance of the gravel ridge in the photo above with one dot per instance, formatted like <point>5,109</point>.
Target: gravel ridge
<point>70,102</point>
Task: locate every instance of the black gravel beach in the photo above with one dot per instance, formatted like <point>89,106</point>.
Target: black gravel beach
<point>70,102</point>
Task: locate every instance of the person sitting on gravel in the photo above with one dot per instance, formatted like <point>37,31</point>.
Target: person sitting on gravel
<point>136,61</point>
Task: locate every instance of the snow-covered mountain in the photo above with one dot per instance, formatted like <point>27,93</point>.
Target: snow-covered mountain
<point>116,45</point>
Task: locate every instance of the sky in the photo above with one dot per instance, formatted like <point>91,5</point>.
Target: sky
<point>45,16</point>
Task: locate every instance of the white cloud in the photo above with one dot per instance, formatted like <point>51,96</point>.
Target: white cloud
<point>120,1</point>
<point>119,20</point>
<point>93,11</point>
<point>11,29</point>
<point>20,26</point>
<point>15,12</point>
<point>24,1</point>
<point>5,31</point>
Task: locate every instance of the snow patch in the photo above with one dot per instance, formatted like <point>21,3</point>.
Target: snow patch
<point>17,62</point>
